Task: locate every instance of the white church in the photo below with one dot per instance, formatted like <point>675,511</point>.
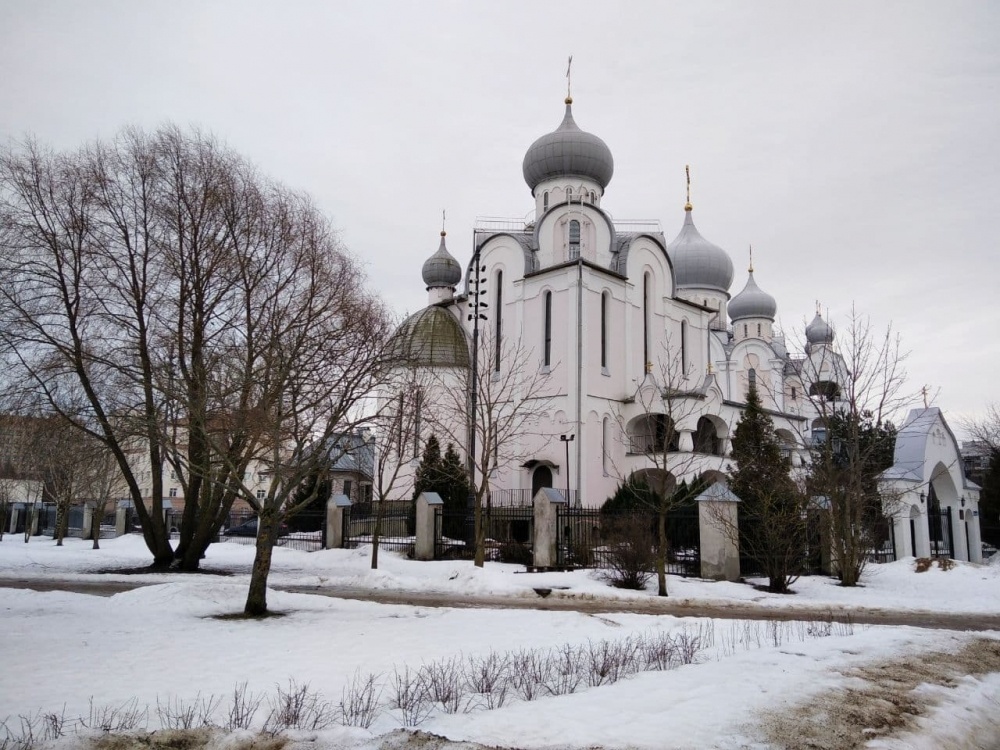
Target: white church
<point>645,353</point>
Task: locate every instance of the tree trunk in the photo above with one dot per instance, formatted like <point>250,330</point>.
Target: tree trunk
<point>479,533</point>
<point>661,553</point>
<point>256,604</point>
<point>377,533</point>
<point>95,527</point>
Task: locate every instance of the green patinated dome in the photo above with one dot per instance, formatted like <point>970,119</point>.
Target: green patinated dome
<point>431,337</point>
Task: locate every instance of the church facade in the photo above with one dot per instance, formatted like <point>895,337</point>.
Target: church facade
<point>645,352</point>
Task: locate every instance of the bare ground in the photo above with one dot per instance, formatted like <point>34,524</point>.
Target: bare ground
<point>886,705</point>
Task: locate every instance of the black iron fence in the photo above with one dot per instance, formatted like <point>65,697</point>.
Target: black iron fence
<point>393,519</point>
<point>508,532</point>
<point>305,530</point>
<point>884,542</point>
<point>586,537</point>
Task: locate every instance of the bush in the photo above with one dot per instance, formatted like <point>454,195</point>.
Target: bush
<point>630,552</point>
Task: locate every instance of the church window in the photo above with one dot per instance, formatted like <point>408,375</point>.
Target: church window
<point>604,446</point>
<point>574,239</point>
<point>545,201</point>
<point>604,330</point>
<point>684,352</point>
<point>498,321</point>
<point>645,320</point>
<point>418,398</point>
<point>400,443</point>
<point>569,195</point>
<point>745,331</point>
<point>758,329</point>
<point>795,393</point>
<point>752,376</point>
<point>593,197</point>
<point>547,342</point>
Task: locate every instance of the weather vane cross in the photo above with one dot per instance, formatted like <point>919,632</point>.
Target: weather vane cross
<point>750,269</point>
<point>687,177</point>
<point>442,221</point>
<point>569,67</point>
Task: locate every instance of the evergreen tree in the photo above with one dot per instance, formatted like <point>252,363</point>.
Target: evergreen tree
<point>429,469</point>
<point>311,516</point>
<point>772,523</point>
<point>448,478</point>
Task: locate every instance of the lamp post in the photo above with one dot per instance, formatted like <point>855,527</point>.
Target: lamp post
<point>567,439</point>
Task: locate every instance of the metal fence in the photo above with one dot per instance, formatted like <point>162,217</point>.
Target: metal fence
<point>508,532</point>
<point>587,537</point>
<point>305,530</point>
<point>394,519</point>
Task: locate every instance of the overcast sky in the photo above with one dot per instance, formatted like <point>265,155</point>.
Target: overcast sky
<point>856,146</point>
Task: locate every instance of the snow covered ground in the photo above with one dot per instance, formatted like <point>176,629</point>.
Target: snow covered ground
<point>163,644</point>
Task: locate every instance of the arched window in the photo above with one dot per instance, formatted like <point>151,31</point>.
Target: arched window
<point>418,402</point>
<point>545,201</point>
<point>498,318</point>
<point>569,195</point>
<point>758,329</point>
<point>752,377</point>
<point>547,329</point>
<point>604,330</point>
<point>593,197</point>
<point>645,321</point>
<point>574,239</point>
<point>745,331</point>
<point>604,446</point>
<point>684,348</point>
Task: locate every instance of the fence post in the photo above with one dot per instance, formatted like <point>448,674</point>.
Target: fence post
<point>14,511</point>
<point>88,520</point>
<point>335,508</point>
<point>546,509</point>
<point>426,531</point>
<point>718,544</point>
<point>120,515</point>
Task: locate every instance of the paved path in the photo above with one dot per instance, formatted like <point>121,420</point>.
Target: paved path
<point>556,602</point>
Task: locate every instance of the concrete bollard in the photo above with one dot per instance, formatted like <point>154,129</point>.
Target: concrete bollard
<point>120,516</point>
<point>718,528</point>
<point>88,521</point>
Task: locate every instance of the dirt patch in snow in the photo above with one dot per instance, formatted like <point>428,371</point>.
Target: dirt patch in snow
<point>885,704</point>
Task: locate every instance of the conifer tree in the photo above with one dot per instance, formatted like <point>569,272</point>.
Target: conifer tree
<point>772,518</point>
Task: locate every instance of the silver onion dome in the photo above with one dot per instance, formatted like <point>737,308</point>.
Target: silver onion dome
<point>441,269</point>
<point>819,331</point>
<point>568,152</point>
<point>752,302</point>
<point>697,262</point>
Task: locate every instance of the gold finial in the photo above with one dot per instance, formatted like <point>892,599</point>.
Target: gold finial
<point>687,175</point>
<point>569,94</point>
<point>649,368</point>
<point>443,233</point>
<point>750,269</point>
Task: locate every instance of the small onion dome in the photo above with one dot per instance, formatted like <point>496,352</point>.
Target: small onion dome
<point>819,331</point>
<point>432,337</point>
<point>441,269</point>
<point>568,152</point>
<point>752,302</point>
<point>697,262</point>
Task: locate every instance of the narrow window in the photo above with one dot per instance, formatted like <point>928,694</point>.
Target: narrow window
<point>574,239</point>
<point>347,487</point>
<point>593,197</point>
<point>645,321</point>
<point>752,375</point>
<point>684,348</point>
<point>418,398</point>
<point>399,425</point>
<point>604,330</point>
<point>794,393</point>
<point>498,317</point>
<point>758,329</point>
<point>547,343</point>
<point>604,446</point>
<point>745,333</point>
<point>545,201</point>
<point>569,195</point>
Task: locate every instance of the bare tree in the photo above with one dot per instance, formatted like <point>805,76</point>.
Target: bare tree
<point>511,397</point>
<point>665,399</point>
<point>857,396</point>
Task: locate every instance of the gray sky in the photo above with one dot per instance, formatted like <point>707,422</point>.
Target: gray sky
<point>855,145</point>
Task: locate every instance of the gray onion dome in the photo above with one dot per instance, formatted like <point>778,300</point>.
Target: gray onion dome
<point>441,269</point>
<point>819,331</point>
<point>752,302</point>
<point>697,262</point>
<point>568,152</point>
<point>432,337</point>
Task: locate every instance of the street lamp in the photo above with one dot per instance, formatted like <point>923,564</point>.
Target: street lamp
<point>567,439</point>
<point>476,290</point>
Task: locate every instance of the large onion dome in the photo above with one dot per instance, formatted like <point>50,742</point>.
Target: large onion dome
<point>819,331</point>
<point>432,337</point>
<point>441,269</point>
<point>752,302</point>
<point>568,152</point>
<point>698,264</point>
